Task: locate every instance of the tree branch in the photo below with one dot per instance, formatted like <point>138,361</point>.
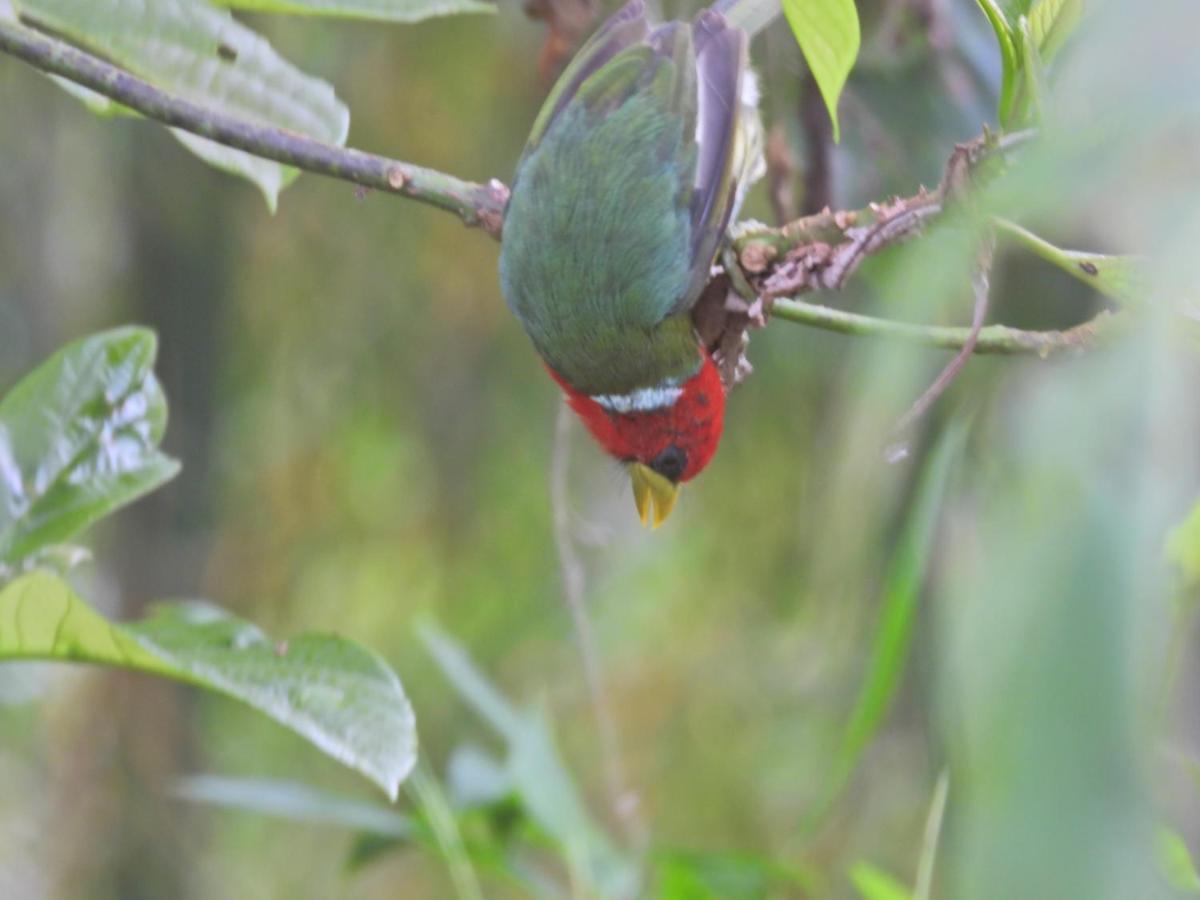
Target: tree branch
<point>821,251</point>
<point>476,204</point>
<point>818,251</point>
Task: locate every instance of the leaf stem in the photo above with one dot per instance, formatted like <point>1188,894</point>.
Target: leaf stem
<point>994,339</point>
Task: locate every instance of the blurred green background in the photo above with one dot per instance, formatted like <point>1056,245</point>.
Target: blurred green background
<point>367,442</point>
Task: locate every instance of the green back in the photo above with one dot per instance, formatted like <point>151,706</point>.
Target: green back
<point>598,246</point>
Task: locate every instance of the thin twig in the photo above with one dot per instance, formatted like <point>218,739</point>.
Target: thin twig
<point>622,800</point>
<point>859,232</point>
<point>476,204</point>
<point>980,282</point>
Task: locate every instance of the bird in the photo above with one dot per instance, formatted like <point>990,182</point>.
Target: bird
<point>635,165</point>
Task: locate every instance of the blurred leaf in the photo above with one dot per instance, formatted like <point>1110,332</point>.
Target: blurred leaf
<point>1176,862</point>
<point>827,31</point>
<point>383,10</point>
<point>447,836</point>
<point>1032,89</point>
<point>537,771</point>
<point>1009,61</point>
<point>1014,9</point>
<point>337,695</point>
<point>78,440</point>
<point>1048,604</point>
<point>474,778</point>
<point>1183,547</point>
<point>293,801</point>
<point>202,54</point>
<point>902,587</point>
<point>1051,23</point>
<point>752,16</point>
<point>718,876</point>
<point>875,884</point>
<point>367,848</point>
<point>1121,278</point>
<point>923,888</point>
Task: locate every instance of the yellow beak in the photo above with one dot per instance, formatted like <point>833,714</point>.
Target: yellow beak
<point>654,495</point>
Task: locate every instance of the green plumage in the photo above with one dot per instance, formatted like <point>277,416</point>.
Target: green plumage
<point>609,233</point>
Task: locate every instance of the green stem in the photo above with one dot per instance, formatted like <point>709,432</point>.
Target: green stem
<point>476,204</point>
<point>994,339</point>
<point>424,787</point>
<point>1119,277</point>
<point>923,889</point>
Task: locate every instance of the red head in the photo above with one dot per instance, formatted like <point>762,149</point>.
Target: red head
<point>667,433</point>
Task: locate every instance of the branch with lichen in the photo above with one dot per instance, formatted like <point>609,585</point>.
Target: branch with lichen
<point>776,265</point>
<point>480,205</point>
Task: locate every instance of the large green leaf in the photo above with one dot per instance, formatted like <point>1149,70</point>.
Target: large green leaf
<point>79,439</point>
<point>339,696</point>
<point>202,54</point>
<point>827,31</point>
<point>384,10</point>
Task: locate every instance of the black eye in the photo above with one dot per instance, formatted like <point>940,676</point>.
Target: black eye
<point>670,463</point>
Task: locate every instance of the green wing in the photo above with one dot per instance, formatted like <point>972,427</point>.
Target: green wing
<point>621,199</point>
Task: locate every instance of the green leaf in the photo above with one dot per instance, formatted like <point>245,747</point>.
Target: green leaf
<point>381,10</point>
<point>340,697</point>
<point>1176,862</point>
<point>1051,23</point>
<point>1122,278</point>
<point>202,54</point>
<point>78,440</point>
<point>536,769</point>
<point>875,884</point>
<point>827,31</point>
<point>1032,87</point>
<point>1183,547</point>
<point>1014,9</point>
<point>902,586</point>
<point>1008,54</point>
<point>682,875</point>
<point>294,802</point>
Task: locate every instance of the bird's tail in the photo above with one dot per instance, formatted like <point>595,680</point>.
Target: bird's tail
<point>752,16</point>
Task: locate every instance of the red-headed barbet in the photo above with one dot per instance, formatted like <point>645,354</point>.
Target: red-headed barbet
<point>635,166</point>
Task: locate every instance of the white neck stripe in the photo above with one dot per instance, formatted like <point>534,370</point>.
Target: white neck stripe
<point>641,400</point>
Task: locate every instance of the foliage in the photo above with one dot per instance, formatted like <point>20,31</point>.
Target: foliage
<point>792,661</point>
<point>200,52</point>
<point>1029,33</point>
<point>78,440</point>
<point>827,31</point>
